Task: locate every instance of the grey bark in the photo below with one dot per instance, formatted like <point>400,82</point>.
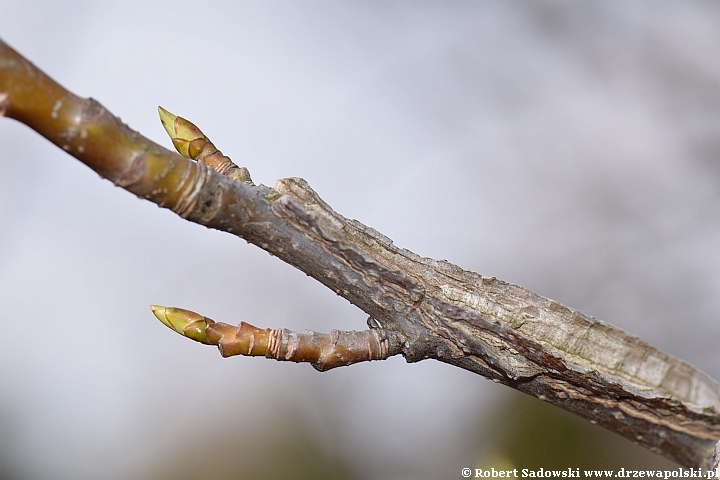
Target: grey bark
<point>501,331</point>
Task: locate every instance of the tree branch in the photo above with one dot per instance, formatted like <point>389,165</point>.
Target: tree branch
<point>432,308</point>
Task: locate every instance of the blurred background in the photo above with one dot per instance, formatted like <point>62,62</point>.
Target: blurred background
<point>569,147</point>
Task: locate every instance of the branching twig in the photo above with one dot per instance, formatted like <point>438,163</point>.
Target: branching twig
<point>431,309</point>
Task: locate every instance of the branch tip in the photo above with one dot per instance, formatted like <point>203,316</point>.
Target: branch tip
<point>186,137</point>
<point>167,119</point>
<point>322,350</point>
<point>192,143</point>
<point>186,323</point>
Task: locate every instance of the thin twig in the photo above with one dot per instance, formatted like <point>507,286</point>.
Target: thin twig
<point>322,350</point>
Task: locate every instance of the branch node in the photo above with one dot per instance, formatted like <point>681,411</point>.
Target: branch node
<point>372,323</point>
<point>134,172</point>
<point>195,179</point>
<point>92,111</point>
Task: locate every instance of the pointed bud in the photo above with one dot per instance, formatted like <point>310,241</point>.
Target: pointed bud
<point>168,121</point>
<point>186,137</point>
<point>184,322</point>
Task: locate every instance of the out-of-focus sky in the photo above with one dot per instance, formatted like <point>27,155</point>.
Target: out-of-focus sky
<point>569,147</point>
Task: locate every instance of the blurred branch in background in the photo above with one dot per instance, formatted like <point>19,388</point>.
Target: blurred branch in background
<point>432,308</point>
<point>295,453</point>
<point>534,435</point>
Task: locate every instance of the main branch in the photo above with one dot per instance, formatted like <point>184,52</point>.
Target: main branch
<point>431,308</point>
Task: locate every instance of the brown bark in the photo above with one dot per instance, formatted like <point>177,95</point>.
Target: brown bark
<point>501,331</point>
<point>322,350</point>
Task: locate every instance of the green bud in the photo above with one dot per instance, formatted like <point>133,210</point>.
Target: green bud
<point>184,322</point>
<point>188,139</point>
<point>168,121</point>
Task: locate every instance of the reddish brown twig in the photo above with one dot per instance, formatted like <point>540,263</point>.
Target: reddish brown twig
<point>322,350</point>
